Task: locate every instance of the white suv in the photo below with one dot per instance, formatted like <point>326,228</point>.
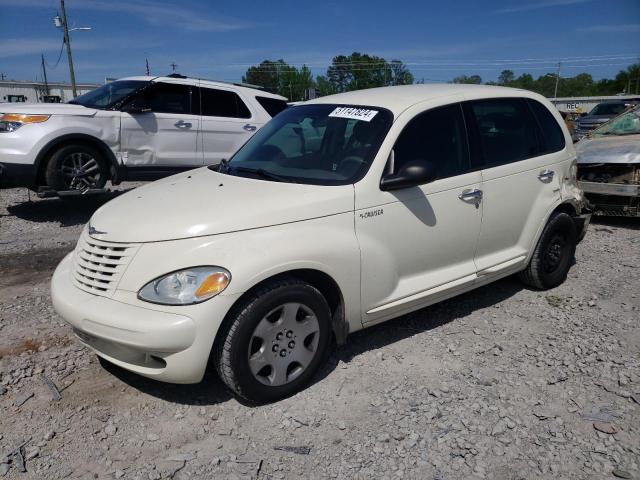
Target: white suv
<point>136,128</point>
<point>340,213</point>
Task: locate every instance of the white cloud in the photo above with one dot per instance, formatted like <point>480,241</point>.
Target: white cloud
<point>525,7</point>
<point>15,47</point>
<point>632,27</point>
<point>154,13</point>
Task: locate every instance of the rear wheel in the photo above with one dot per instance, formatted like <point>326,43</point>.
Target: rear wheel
<point>274,342</point>
<point>76,167</point>
<point>553,254</point>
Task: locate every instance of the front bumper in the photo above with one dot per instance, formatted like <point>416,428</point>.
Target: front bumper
<point>617,189</point>
<point>165,346</point>
<point>14,175</point>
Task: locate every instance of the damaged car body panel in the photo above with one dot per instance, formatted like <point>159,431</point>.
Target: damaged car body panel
<point>609,166</point>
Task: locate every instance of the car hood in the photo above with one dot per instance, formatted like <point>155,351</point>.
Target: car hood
<point>203,202</point>
<point>609,149</point>
<point>48,109</point>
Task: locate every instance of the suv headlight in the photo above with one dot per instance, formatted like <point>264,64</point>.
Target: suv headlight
<point>186,287</point>
<point>10,122</point>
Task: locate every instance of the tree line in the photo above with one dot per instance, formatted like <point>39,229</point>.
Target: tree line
<point>360,70</point>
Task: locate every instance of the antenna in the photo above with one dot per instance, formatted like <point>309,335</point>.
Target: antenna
<point>173,66</point>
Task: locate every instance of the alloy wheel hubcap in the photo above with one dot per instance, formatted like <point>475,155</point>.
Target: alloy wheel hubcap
<point>283,344</point>
<point>80,171</point>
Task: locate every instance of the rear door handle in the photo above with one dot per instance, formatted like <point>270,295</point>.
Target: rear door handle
<point>471,194</point>
<point>250,128</point>
<point>182,124</point>
<point>546,174</point>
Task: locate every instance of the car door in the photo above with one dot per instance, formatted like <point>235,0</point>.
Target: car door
<point>159,129</point>
<point>520,181</point>
<point>419,243</point>
<point>227,123</point>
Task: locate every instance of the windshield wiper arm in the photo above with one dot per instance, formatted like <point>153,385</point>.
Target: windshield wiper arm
<point>261,172</point>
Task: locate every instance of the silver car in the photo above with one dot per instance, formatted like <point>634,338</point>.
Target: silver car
<point>609,165</point>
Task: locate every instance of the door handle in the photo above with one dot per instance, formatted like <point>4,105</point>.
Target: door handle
<point>250,128</point>
<point>471,194</point>
<point>546,174</point>
<point>182,124</point>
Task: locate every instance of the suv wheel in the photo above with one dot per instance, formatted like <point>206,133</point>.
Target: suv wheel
<point>274,342</point>
<point>553,255</point>
<point>76,167</point>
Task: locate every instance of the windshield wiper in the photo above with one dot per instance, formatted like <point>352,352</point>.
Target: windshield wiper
<point>260,172</point>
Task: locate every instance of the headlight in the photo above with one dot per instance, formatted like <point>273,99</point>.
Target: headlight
<point>10,122</point>
<point>186,287</point>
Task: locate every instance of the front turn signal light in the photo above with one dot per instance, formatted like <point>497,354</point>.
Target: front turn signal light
<point>23,118</point>
<point>212,285</point>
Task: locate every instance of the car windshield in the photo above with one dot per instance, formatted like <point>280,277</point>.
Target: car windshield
<point>608,109</point>
<point>626,124</point>
<point>320,144</point>
<point>109,94</point>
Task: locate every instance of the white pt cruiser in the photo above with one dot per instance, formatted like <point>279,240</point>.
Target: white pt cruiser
<point>339,214</point>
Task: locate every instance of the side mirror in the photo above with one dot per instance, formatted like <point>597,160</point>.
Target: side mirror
<point>413,173</point>
<point>136,107</point>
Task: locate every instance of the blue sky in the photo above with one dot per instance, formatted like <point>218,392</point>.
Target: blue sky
<point>220,39</point>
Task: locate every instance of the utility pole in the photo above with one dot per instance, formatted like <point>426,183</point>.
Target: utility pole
<point>555,92</point>
<point>67,42</point>
<point>173,66</point>
<point>148,69</point>
<point>44,74</point>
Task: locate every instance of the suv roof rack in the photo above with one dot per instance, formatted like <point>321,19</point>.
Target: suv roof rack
<point>176,75</point>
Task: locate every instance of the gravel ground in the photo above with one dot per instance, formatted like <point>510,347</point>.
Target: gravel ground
<point>500,383</point>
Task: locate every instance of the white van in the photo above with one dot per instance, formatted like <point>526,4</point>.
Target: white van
<point>341,213</point>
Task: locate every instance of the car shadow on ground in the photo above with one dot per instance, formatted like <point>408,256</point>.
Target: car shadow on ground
<point>212,391</point>
<point>600,223</point>
<point>68,211</point>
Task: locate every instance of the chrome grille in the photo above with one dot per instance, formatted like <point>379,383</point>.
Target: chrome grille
<point>99,265</point>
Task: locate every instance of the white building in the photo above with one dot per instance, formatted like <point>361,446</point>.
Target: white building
<point>585,104</point>
<point>37,92</point>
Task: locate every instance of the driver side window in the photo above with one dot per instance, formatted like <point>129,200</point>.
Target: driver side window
<point>437,136</point>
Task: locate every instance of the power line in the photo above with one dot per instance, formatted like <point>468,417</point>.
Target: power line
<point>59,57</point>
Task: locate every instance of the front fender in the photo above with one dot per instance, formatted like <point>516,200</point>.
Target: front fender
<point>326,244</point>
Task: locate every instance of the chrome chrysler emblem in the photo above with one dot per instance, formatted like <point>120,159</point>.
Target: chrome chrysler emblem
<point>93,231</point>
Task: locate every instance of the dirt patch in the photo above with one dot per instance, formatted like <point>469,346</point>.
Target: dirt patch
<point>31,267</point>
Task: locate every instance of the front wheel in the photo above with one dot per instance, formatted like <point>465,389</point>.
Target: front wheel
<point>274,341</point>
<point>76,167</point>
<point>553,254</point>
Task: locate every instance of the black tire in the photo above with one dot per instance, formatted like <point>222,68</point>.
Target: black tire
<point>553,255</point>
<point>76,167</point>
<point>236,336</point>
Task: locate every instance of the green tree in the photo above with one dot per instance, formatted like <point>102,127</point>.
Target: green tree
<point>324,86</point>
<point>361,70</point>
<point>506,77</point>
<point>473,79</point>
<point>266,75</point>
<point>400,74</point>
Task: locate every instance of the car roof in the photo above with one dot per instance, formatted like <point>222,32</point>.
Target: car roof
<point>399,98</point>
<point>249,89</point>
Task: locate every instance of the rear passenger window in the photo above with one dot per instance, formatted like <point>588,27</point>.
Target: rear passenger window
<point>273,106</point>
<point>168,98</point>
<point>222,103</point>
<point>506,129</point>
<point>438,136</point>
<point>552,135</point>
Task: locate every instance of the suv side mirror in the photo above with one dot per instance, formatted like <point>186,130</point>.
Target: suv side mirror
<point>413,173</point>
